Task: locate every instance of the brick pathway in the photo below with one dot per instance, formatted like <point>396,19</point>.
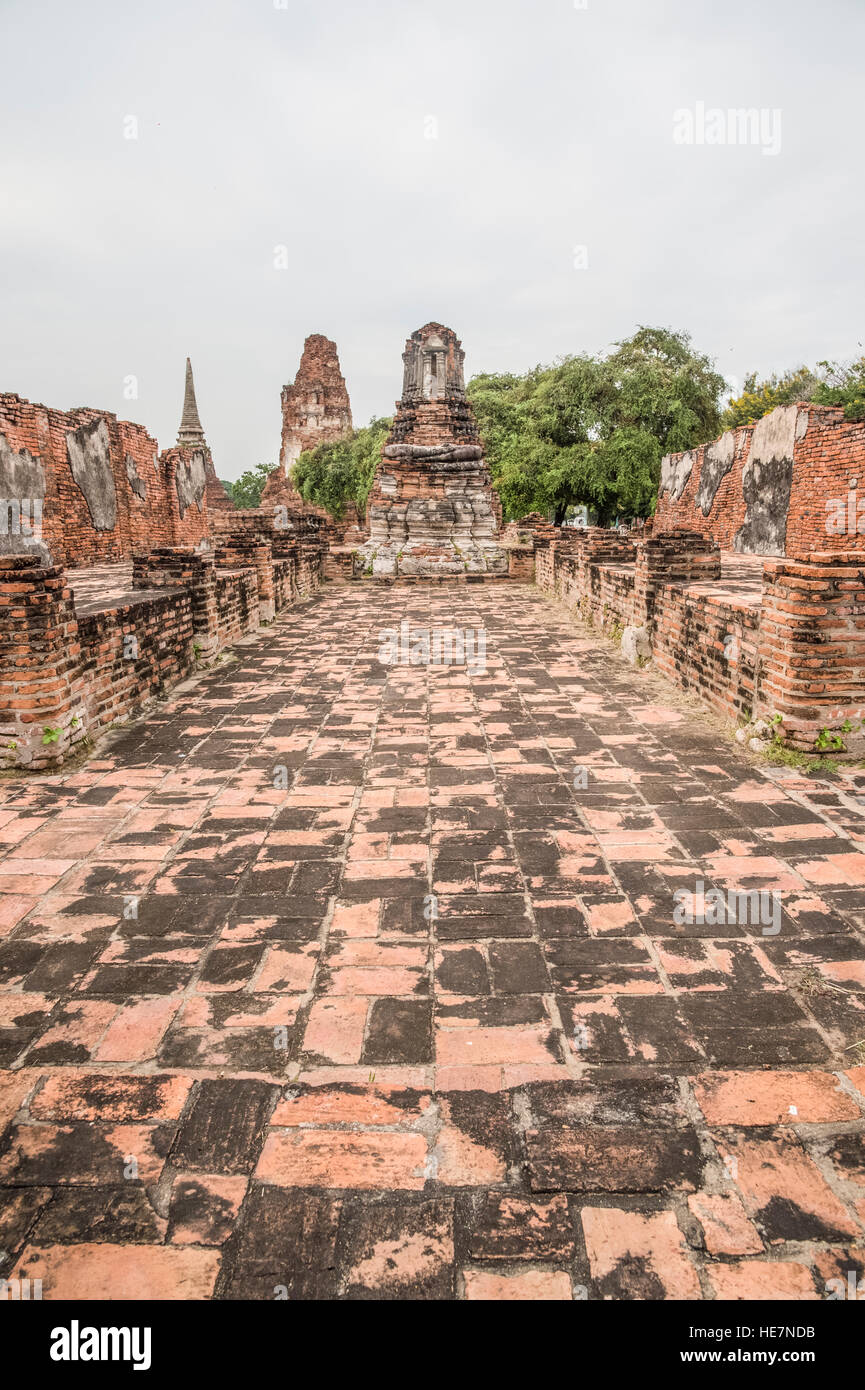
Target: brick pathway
<point>337,979</point>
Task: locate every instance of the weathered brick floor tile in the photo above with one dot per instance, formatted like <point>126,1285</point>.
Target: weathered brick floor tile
<point>773,1097</point>
<point>399,1031</point>
<point>612,1159</point>
<point>398,1251</point>
<point>283,1247</point>
<point>335,1029</point>
<point>494,1046</point>
<point>204,1208</point>
<point>74,1032</point>
<point>433,977</point>
<point>19,1211</point>
<point>512,1228</point>
<point>117,1272</point>
<point>783,1190</point>
<point>475,1145</point>
<point>762,1279</point>
<point>636,1256</point>
<point>350,1105</point>
<point>335,1158</point>
<point>116,1215</point>
<point>839,1274</point>
<point>82,1152</point>
<point>110,1098</point>
<point>224,1127</point>
<point>726,1228</point>
<point>528,1285</point>
<point>135,1032</point>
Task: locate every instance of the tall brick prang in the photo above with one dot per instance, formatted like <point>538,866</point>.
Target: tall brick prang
<point>315,407</point>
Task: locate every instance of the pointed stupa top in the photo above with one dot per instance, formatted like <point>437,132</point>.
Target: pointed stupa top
<point>190,431</point>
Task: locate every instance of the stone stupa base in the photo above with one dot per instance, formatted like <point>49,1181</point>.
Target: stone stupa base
<point>436,560</point>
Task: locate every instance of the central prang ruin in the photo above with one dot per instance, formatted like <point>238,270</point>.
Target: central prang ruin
<point>433,511</point>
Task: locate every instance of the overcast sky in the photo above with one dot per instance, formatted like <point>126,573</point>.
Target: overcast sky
<point>417,160</point>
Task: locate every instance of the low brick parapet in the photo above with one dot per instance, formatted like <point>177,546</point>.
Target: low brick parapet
<point>812,643</point>
<point>39,662</point>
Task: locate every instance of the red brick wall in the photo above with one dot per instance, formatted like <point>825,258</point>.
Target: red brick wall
<point>813,642</point>
<point>728,510</point>
<point>68,526</point>
<point>521,562</point>
<point>708,646</point>
<point>65,678</point>
<point>39,661</point>
<point>236,604</point>
<point>112,682</point>
<point>827,453</point>
<point>799,653</point>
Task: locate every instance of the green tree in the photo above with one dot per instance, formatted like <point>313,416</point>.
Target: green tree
<point>829,383</point>
<point>246,492</point>
<point>842,385</point>
<point>761,396</point>
<point>340,474</point>
<point>592,430</point>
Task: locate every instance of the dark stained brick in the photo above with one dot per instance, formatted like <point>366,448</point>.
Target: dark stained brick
<point>284,1246</point>
<point>224,1130</point>
<point>400,1030</point>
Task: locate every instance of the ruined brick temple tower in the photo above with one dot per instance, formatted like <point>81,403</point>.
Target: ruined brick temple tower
<point>315,407</point>
<point>191,435</point>
<point>432,510</point>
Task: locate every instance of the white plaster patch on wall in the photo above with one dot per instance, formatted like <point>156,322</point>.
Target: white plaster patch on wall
<point>190,481</point>
<point>717,462</point>
<point>767,479</point>
<point>675,472</point>
<point>775,435</point>
<point>89,452</point>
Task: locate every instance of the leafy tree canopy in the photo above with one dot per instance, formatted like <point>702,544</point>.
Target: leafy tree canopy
<point>592,431</point>
<point>842,385</point>
<point>246,492</point>
<point>338,474</point>
<point>829,383</point>
<point>761,396</point>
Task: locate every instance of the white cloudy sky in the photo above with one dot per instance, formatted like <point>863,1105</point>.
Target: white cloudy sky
<point>302,123</point>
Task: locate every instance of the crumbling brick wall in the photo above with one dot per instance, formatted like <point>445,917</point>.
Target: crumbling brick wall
<point>812,643</point>
<point>104,490</point>
<point>708,646</point>
<point>789,485</point>
<point>64,678</point>
<point>796,649</point>
<point>236,604</point>
<point>131,653</point>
